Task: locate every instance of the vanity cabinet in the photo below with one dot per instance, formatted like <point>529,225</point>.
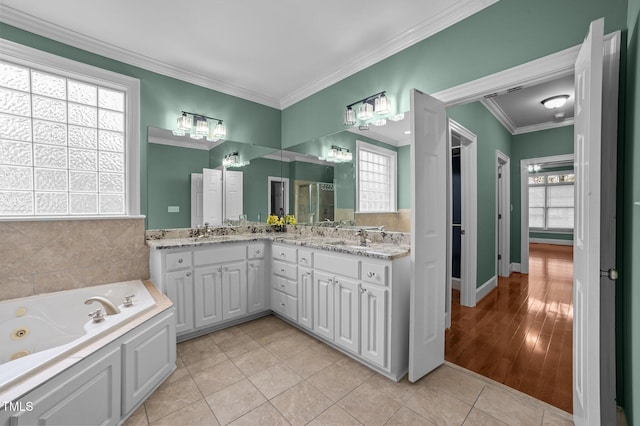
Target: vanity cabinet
<point>284,280</point>
<point>305,297</point>
<point>210,285</point>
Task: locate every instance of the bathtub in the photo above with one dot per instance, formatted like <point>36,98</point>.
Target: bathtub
<point>38,330</point>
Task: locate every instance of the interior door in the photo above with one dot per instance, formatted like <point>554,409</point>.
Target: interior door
<point>212,196</point>
<point>232,194</point>
<point>429,158</point>
<point>586,277</point>
<point>196,200</point>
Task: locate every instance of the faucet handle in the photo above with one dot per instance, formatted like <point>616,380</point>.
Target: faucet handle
<point>97,315</point>
<point>128,300</point>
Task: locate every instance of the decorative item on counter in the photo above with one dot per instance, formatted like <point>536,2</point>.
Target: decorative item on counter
<point>276,222</point>
<point>290,219</point>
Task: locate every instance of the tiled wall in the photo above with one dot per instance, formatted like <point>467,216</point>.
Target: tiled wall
<point>398,222</point>
<point>45,256</point>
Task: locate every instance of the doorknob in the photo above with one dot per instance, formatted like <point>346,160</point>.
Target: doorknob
<point>610,273</point>
<point>462,232</point>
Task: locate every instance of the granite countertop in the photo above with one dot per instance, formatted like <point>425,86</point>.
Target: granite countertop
<point>386,251</point>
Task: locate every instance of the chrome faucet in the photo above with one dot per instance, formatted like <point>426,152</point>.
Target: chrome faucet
<point>363,237</point>
<point>109,307</point>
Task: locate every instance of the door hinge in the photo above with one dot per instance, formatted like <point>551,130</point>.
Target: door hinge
<point>499,175</point>
<point>499,257</point>
<point>499,216</point>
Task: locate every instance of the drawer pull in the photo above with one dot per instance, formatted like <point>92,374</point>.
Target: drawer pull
<point>180,260</point>
<point>257,251</point>
<point>282,304</point>
<point>282,254</point>
<point>188,274</point>
<point>281,269</point>
<point>226,269</point>
<point>363,290</point>
<point>371,274</point>
<point>219,269</point>
<point>303,260</point>
<point>281,285</point>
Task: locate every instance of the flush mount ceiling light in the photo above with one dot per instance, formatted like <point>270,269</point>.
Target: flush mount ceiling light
<point>233,160</point>
<point>378,104</point>
<point>555,101</point>
<point>337,154</point>
<point>202,129</point>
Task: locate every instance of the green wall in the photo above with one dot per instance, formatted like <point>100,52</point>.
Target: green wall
<point>492,136</point>
<point>255,186</point>
<point>508,33</point>
<point>165,172</point>
<point>628,295</point>
<point>544,143</point>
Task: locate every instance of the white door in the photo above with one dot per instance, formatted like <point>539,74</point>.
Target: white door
<point>305,297</point>
<point>196,200</point>
<point>234,290</point>
<point>180,291</point>
<point>586,276</point>
<point>429,158</point>
<point>373,312</point>
<point>323,304</point>
<point>212,197</point>
<point>232,194</point>
<point>207,295</point>
<point>347,314</point>
<point>257,283</point>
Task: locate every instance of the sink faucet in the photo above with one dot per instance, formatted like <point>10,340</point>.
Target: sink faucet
<point>363,237</point>
<point>109,307</point>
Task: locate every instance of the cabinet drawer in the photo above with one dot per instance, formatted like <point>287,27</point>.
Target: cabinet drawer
<point>228,253</point>
<point>178,260</point>
<point>255,251</point>
<point>345,265</point>
<point>305,258</point>
<point>374,273</point>
<point>284,285</point>
<point>284,253</point>
<point>286,270</point>
<point>284,304</point>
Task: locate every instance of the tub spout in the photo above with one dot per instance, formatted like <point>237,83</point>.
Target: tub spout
<point>109,308</point>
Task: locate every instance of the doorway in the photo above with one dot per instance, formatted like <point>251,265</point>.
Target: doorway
<point>503,214</point>
<point>278,196</point>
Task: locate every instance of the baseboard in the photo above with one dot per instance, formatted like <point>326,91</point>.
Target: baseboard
<point>455,283</point>
<point>515,267</point>
<point>551,241</point>
<point>485,288</point>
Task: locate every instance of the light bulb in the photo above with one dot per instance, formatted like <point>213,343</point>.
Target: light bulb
<point>365,111</point>
<point>220,131</point>
<point>184,124</point>
<point>202,127</point>
<point>349,117</point>
<point>382,104</point>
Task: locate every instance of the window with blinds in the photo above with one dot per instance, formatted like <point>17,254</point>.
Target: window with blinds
<point>551,197</point>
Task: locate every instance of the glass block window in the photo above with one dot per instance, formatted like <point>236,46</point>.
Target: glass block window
<point>376,180</point>
<point>551,198</point>
<point>62,145</point>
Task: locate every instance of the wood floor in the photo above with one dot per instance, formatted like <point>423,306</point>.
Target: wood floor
<point>520,334</point>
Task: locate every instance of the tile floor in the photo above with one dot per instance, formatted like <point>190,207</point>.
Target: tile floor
<point>266,372</point>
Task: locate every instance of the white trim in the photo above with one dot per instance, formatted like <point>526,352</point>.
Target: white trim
<point>290,156</point>
<point>515,267</point>
<point>393,155</point>
<point>553,241</point>
<point>486,288</point>
<point>30,57</point>
<point>503,160</point>
<point>456,12</point>
<point>495,109</point>
<point>524,203</point>
<point>540,70</point>
<point>455,283</point>
<point>286,193</point>
<point>166,137</point>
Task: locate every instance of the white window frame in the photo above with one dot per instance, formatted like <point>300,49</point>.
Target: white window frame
<point>393,155</point>
<point>33,58</point>
<point>546,185</point>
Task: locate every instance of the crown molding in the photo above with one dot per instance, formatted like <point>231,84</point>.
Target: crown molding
<point>58,33</point>
<point>456,12</point>
<point>499,114</point>
<point>544,126</point>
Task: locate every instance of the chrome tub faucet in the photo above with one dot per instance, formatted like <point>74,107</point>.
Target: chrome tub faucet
<point>109,307</point>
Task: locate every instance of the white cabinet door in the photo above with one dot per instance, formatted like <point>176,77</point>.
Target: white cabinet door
<point>180,291</point>
<point>323,304</point>
<point>305,297</point>
<point>207,295</point>
<point>234,290</point>
<point>346,313</point>
<point>148,357</point>
<point>89,397</point>
<point>373,315</point>
<point>257,283</point>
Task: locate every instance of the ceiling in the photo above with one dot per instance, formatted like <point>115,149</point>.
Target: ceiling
<point>272,52</point>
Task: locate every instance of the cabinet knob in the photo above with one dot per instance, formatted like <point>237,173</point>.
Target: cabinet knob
<point>281,269</point>
<point>257,251</point>
<point>282,304</point>
<point>363,290</point>
<point>219,269</point>
<point>180,260</point>
<point>303,260</point>
<point>188,274</point>
<point>282,254</point>
<point>281,285</point>
<point>226,269</point>
<point>371,274</point>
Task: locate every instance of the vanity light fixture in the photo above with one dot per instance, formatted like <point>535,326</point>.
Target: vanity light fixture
<point>381,122</point>
<point>338,155</point>
<point>555,101</point>
<point>378,103</point>
<point>397,117</point>
<point>202,128</point>
<point>233,160</point>
<point>534,168</point>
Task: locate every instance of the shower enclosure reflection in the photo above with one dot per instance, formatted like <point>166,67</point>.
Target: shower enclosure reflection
<point>314,201</point>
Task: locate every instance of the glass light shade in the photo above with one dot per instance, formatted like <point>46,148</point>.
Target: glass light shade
<point>555,101</point>
<point>365,111</point>
<point>349,117</point>
<point>219,132</point>
<point>382,105</point>
<point>184,124</point>
<point>381,122</point>
<point>202,127</point>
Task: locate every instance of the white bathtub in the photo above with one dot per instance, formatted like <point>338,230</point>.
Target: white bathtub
<point>39,330</point>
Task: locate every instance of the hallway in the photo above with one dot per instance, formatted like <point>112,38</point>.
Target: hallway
<point>520,334</point>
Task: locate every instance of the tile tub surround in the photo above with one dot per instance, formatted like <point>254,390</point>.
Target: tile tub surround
<point>301,381</point>
<point>53,255</point>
